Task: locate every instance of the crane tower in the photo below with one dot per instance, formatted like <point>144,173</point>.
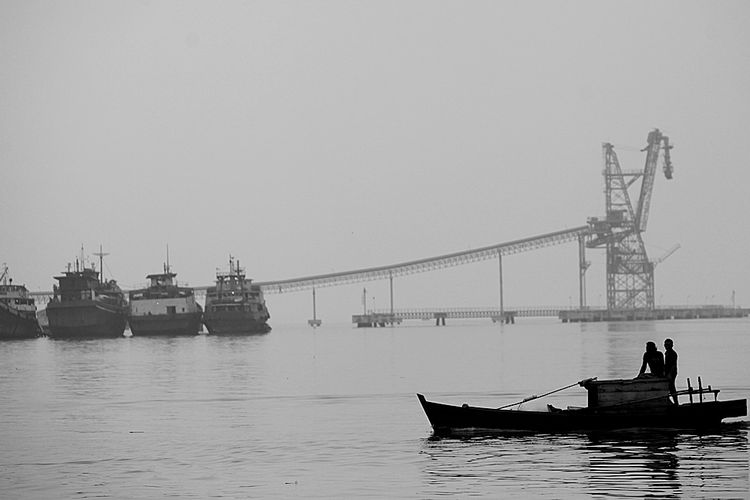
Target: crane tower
<point>630,274</point>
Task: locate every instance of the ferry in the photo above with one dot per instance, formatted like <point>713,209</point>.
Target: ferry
<point>17,310</point>
<point>85,305</point>
<point>235,305</point>
<point>164,308</point>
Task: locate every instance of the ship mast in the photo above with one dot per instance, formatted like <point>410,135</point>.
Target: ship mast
<point>101,263</point>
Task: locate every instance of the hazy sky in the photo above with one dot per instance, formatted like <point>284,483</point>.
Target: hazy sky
<point>317,136</point>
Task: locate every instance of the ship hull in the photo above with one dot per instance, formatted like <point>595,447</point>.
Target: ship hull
<point>85,319</point>
<point>234,323</point>
<point>15,325</point>
<point>165,324</point>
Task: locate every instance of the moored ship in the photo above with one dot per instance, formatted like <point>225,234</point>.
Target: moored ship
<point>17,310</point>
<point>164,308</point>
<point>85,305</point>
<point>235,305</point>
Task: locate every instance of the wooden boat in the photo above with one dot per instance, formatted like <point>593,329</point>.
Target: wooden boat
<point>612,404</point>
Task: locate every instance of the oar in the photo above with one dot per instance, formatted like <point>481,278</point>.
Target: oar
<point>534,396</point>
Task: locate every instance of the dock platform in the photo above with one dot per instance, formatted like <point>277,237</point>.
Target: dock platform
<point>660,313</point>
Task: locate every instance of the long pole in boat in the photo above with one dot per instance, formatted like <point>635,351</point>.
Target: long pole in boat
<point>534,396</point>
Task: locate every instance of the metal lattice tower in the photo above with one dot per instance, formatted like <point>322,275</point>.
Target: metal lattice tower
<point>630,274</point>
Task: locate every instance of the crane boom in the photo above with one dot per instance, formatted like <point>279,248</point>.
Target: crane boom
<point>655,141</point>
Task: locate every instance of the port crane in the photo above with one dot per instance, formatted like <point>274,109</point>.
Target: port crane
<point>630,274</point>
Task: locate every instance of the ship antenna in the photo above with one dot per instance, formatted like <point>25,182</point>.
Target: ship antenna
<point>167,269</point>
<point>101,263</point>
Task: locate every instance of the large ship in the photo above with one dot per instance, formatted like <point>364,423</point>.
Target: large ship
<point>235,305</point>
<point>17,310</point>
<point>85,305</point>
<point>164,308</point>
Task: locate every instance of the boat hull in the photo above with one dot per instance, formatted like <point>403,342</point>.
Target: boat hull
<point>16,325</point>
<point>165,324</point>
<point>234,323</point>
<point>86,318</point>
<point>449,419</point>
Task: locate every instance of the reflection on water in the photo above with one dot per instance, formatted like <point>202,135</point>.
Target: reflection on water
<point>639,466</point>
<point>668,465</point>
<point>632,326</point>
<point>617,464</point>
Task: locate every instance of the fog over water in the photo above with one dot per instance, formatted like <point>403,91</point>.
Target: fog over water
<point>332,413</point>
<point>312,137</point>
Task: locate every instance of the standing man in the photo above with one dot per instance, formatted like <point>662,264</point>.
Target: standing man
<point>670,367</point>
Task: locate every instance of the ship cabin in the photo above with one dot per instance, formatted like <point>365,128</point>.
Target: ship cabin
<point>16,296</point>
<point>638,394</point>
<point>84,284</point>
<point>234,291</point>
<point>161,286</point>
<point>76,285</point>
<point>163,280</point>
<point>235,286</point>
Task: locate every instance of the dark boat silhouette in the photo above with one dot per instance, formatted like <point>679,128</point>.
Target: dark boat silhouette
<point>641,403</point>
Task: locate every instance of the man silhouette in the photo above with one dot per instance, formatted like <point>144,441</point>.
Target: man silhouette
<point>654,359</point>
<point>670,367</point>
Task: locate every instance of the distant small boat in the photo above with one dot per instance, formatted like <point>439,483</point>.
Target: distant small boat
<point>612,404</point>
<point>164,308</point>
<point>84,305</point>
<point>235,305</point>
<point>17,310</point>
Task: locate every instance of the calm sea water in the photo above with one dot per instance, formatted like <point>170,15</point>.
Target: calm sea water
<point>332,413</point>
